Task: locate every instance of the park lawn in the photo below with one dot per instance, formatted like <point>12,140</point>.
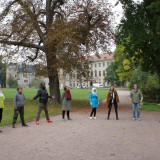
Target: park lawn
<point>150,107</point>
<point>80,99</point>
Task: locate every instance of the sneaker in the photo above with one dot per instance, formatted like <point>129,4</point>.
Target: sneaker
<point>37,122</point>
<point>94,117</point>
<point>107,118</point>
<point>49,121</point>
<point>138,119</point>
<point>117,118</point>
<point>63,119</point>
<point>24,125</point>
<point>69,119</point>
<point>134,119</point>
<point>90,117</point>
<point>0,131</point>
<point>13,126</point>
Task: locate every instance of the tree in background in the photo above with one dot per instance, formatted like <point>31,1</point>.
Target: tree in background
<point>111,75</point>
<point>139,33</point>
<point>125,66</point>
<point>12,83</point>
<point>58,33</point>
<point>36,82</point>
<point>2,73</point>
<point>147,82</point>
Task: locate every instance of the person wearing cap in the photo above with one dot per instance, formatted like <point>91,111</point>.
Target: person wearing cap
<point>94,102</point>
<point>112,98</point>
<point>43,100</point>
<point>19,102</point>
<point>1,103</point>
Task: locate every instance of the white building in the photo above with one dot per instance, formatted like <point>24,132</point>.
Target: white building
<point>97,73</point>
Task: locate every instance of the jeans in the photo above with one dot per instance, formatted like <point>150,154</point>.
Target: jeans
<point>134,106</point>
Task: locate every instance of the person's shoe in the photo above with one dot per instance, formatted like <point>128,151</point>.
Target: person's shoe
<point>13,126</point>
<point>134,119</point>
<point>138,119</point>
<point>94,117</point>
<point>107,118</point>
<point>63,119</point>
<point>49,121</point>
<point>24,125</point>
<point>37,122</point>
<point>69,119</point>
<point>0,131</point>
<point>117,118</point>
<point>90,117</point>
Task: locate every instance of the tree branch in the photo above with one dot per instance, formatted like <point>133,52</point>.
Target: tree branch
<point>22,44</point>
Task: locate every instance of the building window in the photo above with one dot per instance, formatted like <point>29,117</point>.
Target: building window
<point>99,73</point>
<point>103,64</point>
<point>95,65</point>
<point>95,73</point>
<point>104,73</point>
<point>99,64</point>
<point>91,73</point>
<point>107,63</point>
<point>25,81</point>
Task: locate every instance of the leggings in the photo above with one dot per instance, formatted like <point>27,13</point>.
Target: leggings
<point>63,114</point>
<point>116,109</point>
<point>1,112</point>
<point>93,111</point>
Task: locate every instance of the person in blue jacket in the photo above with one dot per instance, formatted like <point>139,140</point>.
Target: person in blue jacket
<point>94,102</point>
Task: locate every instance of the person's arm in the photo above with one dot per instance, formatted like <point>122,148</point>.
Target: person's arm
<point>91,98</point>
<point>38,94</point>
<point>63,94</point>
<point>117,97</point>
<point>3,96</point>
<point>141,96</point>
<point>98,99</point>
<point>24,99</point>
<point>15,101</point>
<point>130,96</point>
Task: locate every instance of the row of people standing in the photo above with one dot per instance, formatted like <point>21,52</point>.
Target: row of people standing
<point>112,99</point>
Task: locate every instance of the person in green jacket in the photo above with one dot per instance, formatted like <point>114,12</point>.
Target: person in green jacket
<point>1,103</point>
<point>136,98</point>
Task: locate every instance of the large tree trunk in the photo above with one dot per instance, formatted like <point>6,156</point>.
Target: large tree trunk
<point>53,77</point>
<point>54,87</point>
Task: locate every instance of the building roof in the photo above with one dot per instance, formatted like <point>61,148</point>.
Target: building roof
<point>104,56</point>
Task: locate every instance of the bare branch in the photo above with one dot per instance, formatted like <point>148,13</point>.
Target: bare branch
<point>22,44</point>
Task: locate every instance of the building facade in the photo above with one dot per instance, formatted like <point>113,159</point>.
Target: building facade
<point>97,72</point>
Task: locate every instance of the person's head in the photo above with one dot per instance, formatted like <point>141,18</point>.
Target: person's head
<point>66,88</point>
<point>42,85</point>
<point>19,89</point>
<point>112,86</point>
<point>135,86</point>
<point>94,90</point>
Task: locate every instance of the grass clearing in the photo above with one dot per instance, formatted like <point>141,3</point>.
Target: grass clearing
<point>150,107</point>
<point>80,99</point>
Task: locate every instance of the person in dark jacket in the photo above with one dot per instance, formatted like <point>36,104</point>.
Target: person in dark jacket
<point>112,98</point>
<point>43,99</point>
<point>19,102</point>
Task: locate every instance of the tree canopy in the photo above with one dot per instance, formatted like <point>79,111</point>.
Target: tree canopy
<point>59,33</point>
<point>139,33</point>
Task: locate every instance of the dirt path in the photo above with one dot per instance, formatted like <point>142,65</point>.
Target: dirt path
<point>85,139</point>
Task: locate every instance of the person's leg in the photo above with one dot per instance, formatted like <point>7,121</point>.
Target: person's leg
<point>1,112</point>
<point>116,109</point>
<point>39,111</point>
<point>21,111</point>
<point>95,110</point>
<point>109,110</point>
<point>15,116</point>
<point>92,112</point>
<point>63,114</point>
<point>46,111</point>
<point>138,112</point>
<point>133,107</point>
<point>68,115</point>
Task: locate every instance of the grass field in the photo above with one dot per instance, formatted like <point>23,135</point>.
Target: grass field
<point>150,107</point>
<point>80,99</point>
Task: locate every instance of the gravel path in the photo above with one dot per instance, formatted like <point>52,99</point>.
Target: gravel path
<point>85,139</point>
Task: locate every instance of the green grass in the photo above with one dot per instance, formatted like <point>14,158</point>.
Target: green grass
<point>80,99</point>
<point>150,107</point>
